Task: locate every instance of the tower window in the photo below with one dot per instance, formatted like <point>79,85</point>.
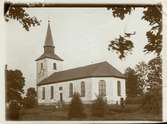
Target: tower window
<point>54,66</point>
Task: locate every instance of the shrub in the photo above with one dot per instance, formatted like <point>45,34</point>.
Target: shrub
<point>134,100</point>
<point>76,109</point>
<point>30,100</point>
<point>152,102</point>
<point>13,110</point>
<point>99,107</point>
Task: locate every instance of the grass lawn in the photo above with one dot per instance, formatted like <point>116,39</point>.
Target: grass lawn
<point>50,113</point>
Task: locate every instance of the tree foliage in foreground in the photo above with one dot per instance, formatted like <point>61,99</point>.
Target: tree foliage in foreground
<point>153,15</point>
<point>14,85</point>
<point>122,45</point>
<point>20,14</point>
<point>14,90</point>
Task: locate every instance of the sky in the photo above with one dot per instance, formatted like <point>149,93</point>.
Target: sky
<point>81,37</point>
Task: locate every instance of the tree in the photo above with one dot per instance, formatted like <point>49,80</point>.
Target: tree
<point>142,72</point>
<point>99,107</point>
<point>14,85</point>
<point>155,73</point>
<point>76,108</point>
<point>150,75</point>
<point>131,82</point>
<point>122,45</point>
<point>19,14</point>
<point>14,90</point>
<point>151,14</point>
<point>30,99</point>
<point>153,100</point>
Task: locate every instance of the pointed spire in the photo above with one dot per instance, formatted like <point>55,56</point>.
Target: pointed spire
<point>49,39</point>
<point>49,46</point>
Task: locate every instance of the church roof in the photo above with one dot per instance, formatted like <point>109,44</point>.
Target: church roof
<point>51,56</point>
<point>103,69</point>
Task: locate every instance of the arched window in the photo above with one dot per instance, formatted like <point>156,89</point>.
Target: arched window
<point>102,88</point>
<point>51,92</point>
<point>82,89</point>
<point>71,90</point>
<point>43,93</point>
<point>54,66</point>
<point>41,66</point>
<point>119,88</point>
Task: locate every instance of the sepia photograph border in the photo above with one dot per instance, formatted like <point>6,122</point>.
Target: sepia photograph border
<point>80,3</point>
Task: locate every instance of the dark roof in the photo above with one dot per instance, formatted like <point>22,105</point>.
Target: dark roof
<point>52,56</point>
<point>103,69</point>
<point>49,39</point>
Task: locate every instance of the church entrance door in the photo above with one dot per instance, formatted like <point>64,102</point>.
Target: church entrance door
<point>61,97</point>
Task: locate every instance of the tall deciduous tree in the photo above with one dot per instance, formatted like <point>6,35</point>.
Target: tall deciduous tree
<point>155,73</point>
<point>14,85</point>
<point>131,82</point>
<point>142,72</point>
<point>14,90</point>
<point>153,98</point>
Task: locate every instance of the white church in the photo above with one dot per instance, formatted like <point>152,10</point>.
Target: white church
<point>57,85</point>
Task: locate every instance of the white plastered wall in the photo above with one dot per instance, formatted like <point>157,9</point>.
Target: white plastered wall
<point>91,90</point>
<point>111,88</point>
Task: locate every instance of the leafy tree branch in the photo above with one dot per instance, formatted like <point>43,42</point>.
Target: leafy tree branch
<point>153,15</point>
<point>20,14</point>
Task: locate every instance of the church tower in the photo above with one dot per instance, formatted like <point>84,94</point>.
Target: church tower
<point>48,62</point>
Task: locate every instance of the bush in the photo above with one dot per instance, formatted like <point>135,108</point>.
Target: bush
<point>29,102</point>
<point>13,110</point>
<point>99,107</point>
<point>76,109</point>
<point>152,102</point>
<point>134,100</point>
